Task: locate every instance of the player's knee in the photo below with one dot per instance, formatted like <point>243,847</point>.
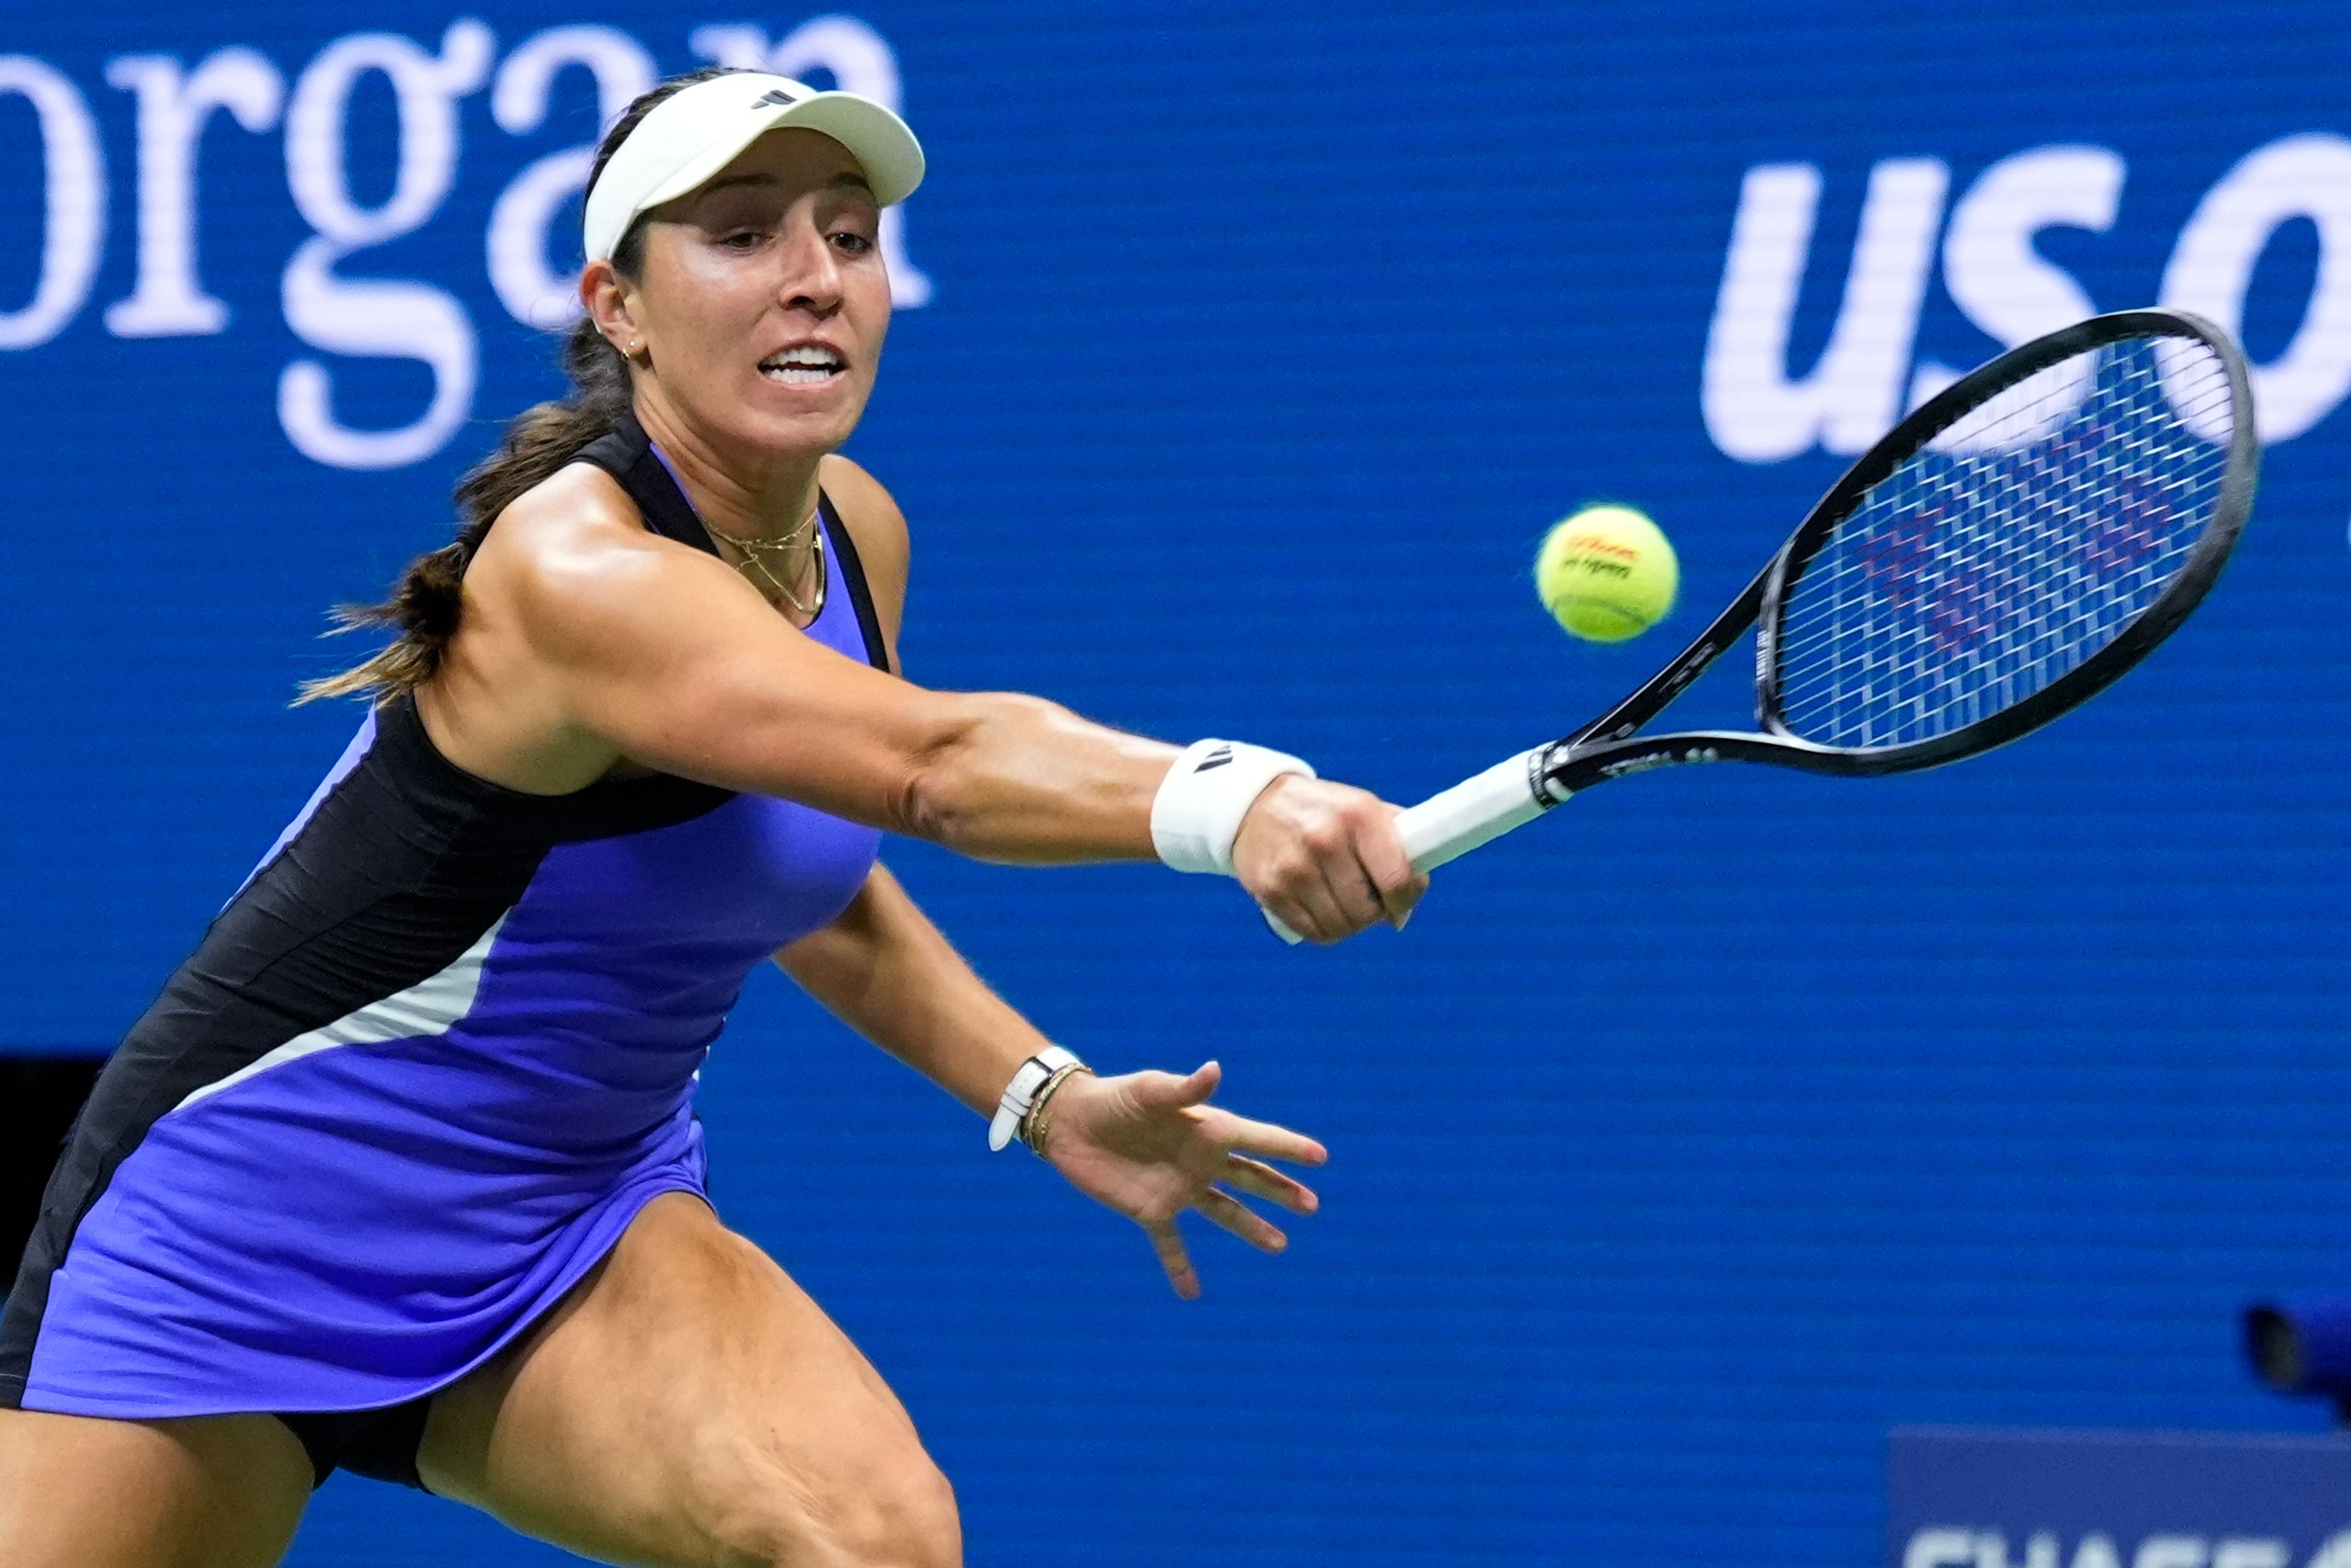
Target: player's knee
<point>896,1512</point>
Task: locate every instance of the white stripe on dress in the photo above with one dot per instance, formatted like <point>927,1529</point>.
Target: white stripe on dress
<point>428,1007</point>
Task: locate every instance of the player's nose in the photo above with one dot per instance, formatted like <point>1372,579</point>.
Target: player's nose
<point>809,278</point>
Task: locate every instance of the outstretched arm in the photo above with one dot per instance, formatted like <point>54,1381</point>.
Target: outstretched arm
<point>588,642</point>
<point>1147,1144</point>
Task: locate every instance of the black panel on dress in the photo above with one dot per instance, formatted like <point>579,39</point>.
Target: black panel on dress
<point>405,862</point>
<point>627,454</point>
<point>403,865</point>
<point>852,576</point>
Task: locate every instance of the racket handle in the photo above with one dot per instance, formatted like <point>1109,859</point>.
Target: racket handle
<point>1452,822</point>
<point>1479,809</point>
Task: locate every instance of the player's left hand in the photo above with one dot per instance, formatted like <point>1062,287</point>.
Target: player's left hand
<point>1150,1146</point>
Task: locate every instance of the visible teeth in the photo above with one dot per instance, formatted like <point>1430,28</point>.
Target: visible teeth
<point>810,362</point>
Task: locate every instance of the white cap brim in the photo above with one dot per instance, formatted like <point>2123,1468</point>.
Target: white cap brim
<point>687,137</point>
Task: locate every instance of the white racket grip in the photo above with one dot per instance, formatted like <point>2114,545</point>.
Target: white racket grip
<point>1478,811</point>
<point>1452,822</point>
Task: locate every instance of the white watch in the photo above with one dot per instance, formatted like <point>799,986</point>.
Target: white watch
<point>1021,1093</point>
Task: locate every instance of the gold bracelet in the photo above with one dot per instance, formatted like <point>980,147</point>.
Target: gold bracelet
<point>1033,1125</point>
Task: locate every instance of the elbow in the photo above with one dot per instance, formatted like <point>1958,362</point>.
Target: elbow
<point>954,792</point>
<point>940,799</point>
<point>926,805</point>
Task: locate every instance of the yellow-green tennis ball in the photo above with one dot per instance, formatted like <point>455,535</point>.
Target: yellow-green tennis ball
<point>1606,573</point>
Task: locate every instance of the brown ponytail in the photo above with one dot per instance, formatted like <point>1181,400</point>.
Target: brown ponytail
<point>425,605</point>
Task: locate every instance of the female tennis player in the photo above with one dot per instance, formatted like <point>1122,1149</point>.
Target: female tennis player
<point>399,1174</point>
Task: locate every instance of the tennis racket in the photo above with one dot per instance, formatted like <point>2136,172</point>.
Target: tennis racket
<point>2002,555</point>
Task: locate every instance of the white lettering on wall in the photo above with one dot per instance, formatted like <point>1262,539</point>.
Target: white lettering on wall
<point>1992,1551</point>
<point>1990,267</point>
<point>1757,411</point>
<point>1940,1548</point>
<point>526,248</point>
<point>2306,176</point>
<point>73,232</point>
<point>860,60</point>
<point>1754,409</point>
<point>376,318</point>
<point>2239,1553</point>
<point>534,292</point>
<point>173,104</point>
<point>737,46</point>
<point>2170,1552</point>
<point>1953,1546</point>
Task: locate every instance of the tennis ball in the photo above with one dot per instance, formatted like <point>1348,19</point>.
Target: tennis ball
<point>1606,573</point>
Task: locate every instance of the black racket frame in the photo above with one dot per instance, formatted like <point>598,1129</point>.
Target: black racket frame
<point>1608,749</point>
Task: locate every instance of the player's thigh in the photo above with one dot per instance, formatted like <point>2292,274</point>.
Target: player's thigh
<point>690,1404</point>
<point>215,1491</point>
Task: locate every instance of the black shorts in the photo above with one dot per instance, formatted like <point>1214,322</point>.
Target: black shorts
<point>379,1444</point>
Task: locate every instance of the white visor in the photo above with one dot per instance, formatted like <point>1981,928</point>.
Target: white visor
<point>694,134</point>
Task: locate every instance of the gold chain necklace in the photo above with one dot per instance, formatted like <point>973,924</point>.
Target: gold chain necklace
<point>756,552</point>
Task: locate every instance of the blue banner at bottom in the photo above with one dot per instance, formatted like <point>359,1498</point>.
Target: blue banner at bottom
<point>1975,1499</point>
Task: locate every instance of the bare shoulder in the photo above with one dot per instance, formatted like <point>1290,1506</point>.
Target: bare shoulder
<point>571,548</point>
<point>871,515</point>
<point>578,511</point>
<point>570,591</point>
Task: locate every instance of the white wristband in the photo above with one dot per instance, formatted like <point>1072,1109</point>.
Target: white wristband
<point>1197,813</point>
<point>1021,1093</point>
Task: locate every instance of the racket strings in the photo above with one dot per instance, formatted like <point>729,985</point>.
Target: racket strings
<point>2015,546</point>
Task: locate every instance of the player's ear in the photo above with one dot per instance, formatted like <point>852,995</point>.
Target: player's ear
<point>610,302</point>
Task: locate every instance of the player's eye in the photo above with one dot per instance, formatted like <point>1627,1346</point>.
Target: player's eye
<point>852,242</point>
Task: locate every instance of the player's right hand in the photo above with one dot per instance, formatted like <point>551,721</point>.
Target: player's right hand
<point>1324,859</point>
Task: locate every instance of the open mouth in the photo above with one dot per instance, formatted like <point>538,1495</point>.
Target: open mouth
<point>810,365</point>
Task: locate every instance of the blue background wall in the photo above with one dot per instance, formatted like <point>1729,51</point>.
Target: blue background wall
<point>1681,1148</point>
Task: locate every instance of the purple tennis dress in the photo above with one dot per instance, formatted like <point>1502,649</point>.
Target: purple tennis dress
<point>421,1072</point>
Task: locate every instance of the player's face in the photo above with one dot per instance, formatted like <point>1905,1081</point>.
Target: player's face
<point>763,301</point>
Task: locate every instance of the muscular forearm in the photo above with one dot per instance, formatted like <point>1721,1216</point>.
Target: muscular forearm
<point>887,972</point>
<point>603,643</point>
<point>1020,779</point>
<point>721,691</point>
